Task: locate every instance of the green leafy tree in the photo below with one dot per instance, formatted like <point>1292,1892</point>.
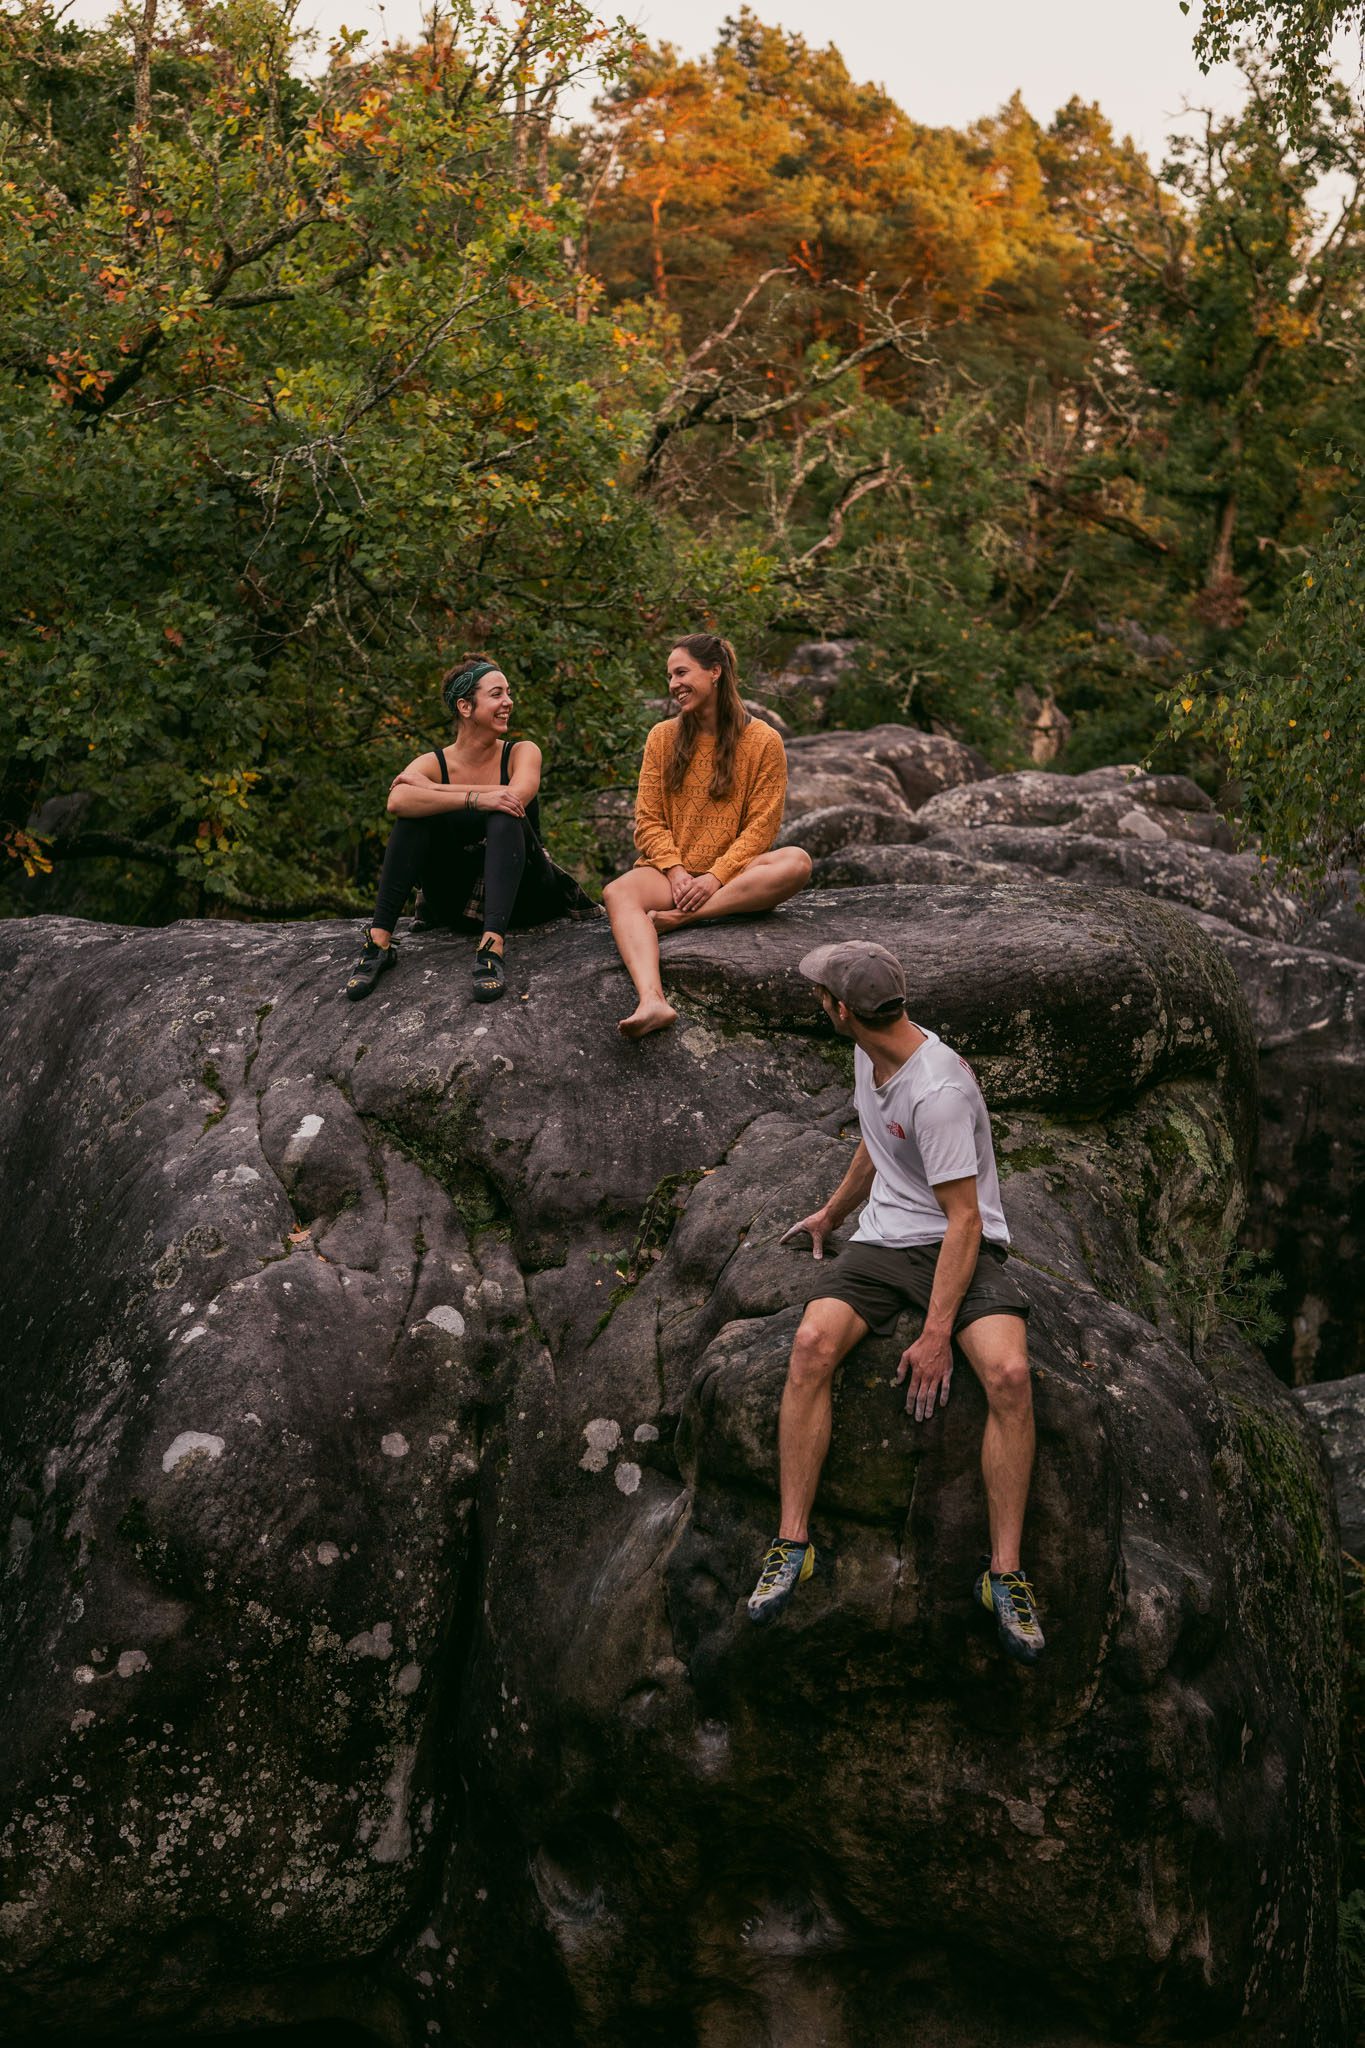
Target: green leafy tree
<point>303,397</point>
<point>1230,375</point>
<point>314,379</point>
<point>1291,719</point>
<point>1300,34</point>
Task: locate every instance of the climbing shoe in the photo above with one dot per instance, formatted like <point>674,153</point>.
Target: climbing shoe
<point>1008,1596</point>
<point>374,961</point>
<point>488,977</point>
<point>786,1566</point>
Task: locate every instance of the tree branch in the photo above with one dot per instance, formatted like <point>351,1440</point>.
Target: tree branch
<point>720,334</point>
<point>1099,515</point>
<point>112,845</point>
<point>116,846</point>
<point>278,295</point>
<point>94,405</point>
<point>704,405</point>
<point>875,479</point>
<point>53,194</point>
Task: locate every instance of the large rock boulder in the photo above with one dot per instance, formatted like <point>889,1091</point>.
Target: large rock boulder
<point>1110,802</point>
<point>1301,965</point>
<point>1337,1409</point>
<point>388,1446</point>
<point>868,786</point>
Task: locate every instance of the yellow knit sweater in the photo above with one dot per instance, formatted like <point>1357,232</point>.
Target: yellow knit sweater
<point>687,828</point>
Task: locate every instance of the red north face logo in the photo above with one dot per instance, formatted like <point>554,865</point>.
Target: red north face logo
<point>896,1131</point>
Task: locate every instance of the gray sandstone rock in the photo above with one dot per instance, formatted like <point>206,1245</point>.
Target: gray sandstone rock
<point>1306,1212</point>
<point>920,765</point>
<point>1231,886</point>
<point>388,1445</point>
<point>1337,1409</point>
<point>1301,965</point>
<point>838,825</point>
<point>1141,807</point>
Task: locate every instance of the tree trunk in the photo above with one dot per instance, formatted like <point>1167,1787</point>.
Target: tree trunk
<point>1220,563</point>
<point>656,248</point>
<point>543,152</point>
<point>142,111</point>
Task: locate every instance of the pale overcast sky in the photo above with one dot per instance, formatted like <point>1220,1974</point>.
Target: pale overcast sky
<point>946,64</point>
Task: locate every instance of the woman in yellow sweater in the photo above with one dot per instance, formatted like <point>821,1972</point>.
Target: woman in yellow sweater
<point>709,805</point>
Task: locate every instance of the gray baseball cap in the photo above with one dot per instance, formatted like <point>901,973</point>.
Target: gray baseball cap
<point>864,977</point>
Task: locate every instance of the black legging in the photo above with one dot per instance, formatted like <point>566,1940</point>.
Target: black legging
<point>436,852</point>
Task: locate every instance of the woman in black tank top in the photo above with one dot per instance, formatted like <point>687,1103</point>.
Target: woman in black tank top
<point>467,830</point>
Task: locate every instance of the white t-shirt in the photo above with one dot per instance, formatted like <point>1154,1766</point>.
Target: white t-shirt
<point>927,1124</point>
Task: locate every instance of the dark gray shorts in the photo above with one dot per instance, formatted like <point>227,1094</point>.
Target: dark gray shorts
<point>880,1281</point>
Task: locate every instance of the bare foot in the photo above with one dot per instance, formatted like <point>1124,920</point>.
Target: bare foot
<point>667,920</point>
<point>654,1015</point>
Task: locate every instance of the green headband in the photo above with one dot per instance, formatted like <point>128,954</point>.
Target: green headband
<point>465,682</point>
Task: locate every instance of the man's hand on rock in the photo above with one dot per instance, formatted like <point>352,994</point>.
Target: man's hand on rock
<point>929,1362</point>
<point>818,1226</point>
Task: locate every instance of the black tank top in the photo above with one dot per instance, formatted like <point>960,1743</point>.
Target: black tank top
<point>504,770</point>
<point>504,777</point>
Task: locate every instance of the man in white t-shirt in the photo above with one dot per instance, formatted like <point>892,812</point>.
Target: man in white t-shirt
<point>932,1235</point>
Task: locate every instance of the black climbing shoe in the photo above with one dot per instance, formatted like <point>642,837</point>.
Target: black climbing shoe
<point>488,981</point>
<point>374,961</point>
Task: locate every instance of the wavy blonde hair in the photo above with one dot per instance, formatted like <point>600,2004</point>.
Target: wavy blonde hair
<point>710,651</point>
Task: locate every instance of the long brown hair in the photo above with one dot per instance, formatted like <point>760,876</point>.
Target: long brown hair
<point>708,650</point>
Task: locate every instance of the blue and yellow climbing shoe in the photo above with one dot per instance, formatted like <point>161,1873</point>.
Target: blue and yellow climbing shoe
<point>1009,1597</point>
<point>787,1565</point>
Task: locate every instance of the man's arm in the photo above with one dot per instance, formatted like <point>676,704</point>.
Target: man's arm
<point>852,1191</point>
<point>929,1360</point>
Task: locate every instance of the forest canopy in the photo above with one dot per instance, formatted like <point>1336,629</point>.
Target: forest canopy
<point>321,368</point>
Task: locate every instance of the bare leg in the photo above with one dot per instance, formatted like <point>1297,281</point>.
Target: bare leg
<point>769,879</point>
<point>996,1348</point>
<point>829,1330</point>
<point>629,899</point>
<point>492,942</point>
